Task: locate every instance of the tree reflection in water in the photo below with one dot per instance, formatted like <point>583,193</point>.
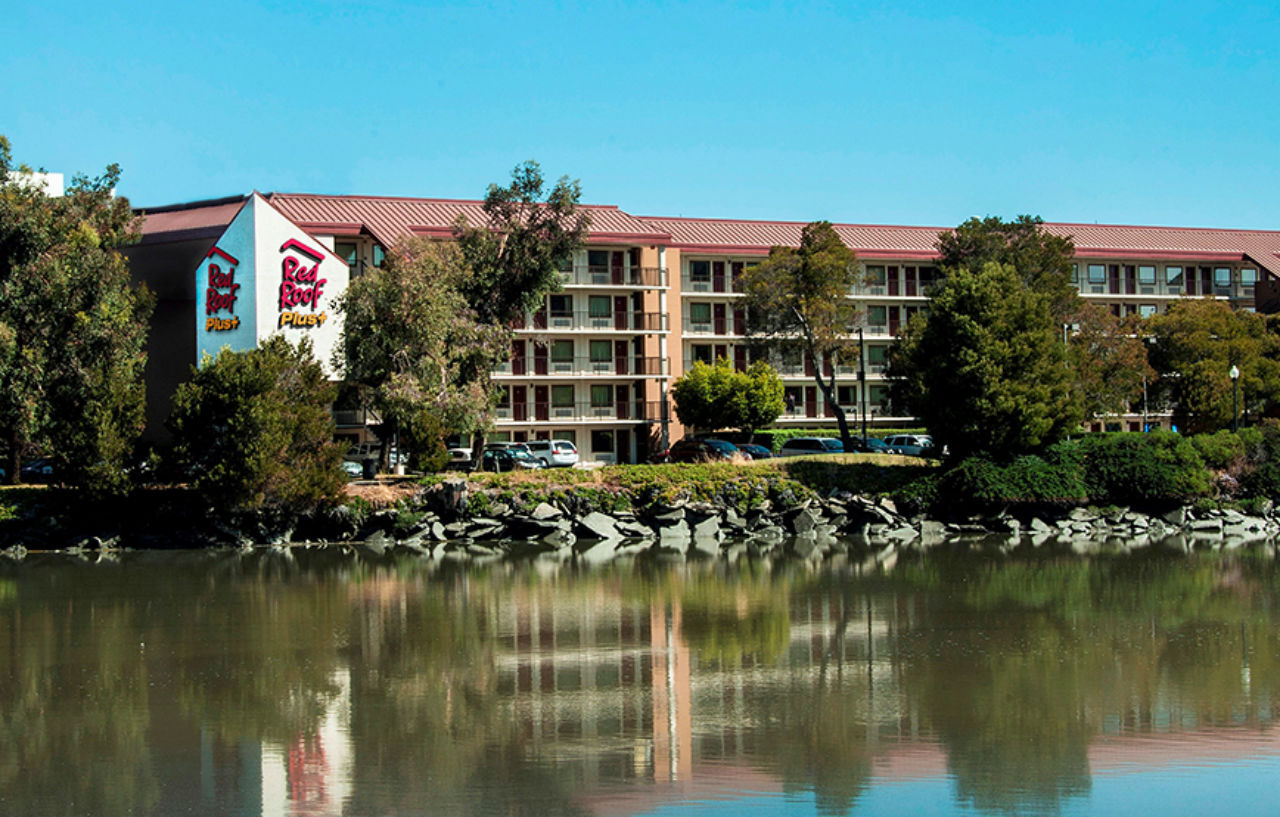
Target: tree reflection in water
<point>330,682</point>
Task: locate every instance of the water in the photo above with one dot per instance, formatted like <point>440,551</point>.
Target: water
<point>338,683</point>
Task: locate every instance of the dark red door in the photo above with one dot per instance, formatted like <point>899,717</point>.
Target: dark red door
<point>893,280</point>
<point>620,357</point>
<point>540,318</point>
<point>541,403</point>
<point>539,358</point>
<point>616,267</point>
<point>740,358</point>
<point>739,321</point>
<point>517,357</point>
<point>717,319</point>
<point>620,312</point>
<point>622,400</point>
<point>717,276</point>
<point>735,281</point>
<point>911,281</point>
<point>519,403</point>
<point>810,401</point>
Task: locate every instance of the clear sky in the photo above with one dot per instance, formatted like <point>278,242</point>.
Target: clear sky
<point>896,112</point>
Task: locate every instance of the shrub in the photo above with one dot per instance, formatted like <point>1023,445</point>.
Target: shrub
<point>1133,468</point>
<point>1223,450</point>
<point>253,429</point>
<point>978,483</point>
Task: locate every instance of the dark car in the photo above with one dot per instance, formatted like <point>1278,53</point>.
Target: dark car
<point>757,452</point>
<point>803,446</point>
<point>507,459</point>
<point>690,450</point>
<point>869,445</point>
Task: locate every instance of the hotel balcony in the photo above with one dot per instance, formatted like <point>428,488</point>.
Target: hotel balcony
<point>584,366</point>
<point>586,321</point>
<point>581,411</point>
<point>711,284</point>
<point>587,275</point>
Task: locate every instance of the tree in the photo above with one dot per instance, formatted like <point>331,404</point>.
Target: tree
<point>1196,342</point>
<point>253,429</point>
<point>72,330</point>
<point>987,371</point>
<point>1110,360</point>
<point>514,257</point>
<point>798,300</point>
<point>1043,260</point>
<point>712,397</point>
<point>415,346</point>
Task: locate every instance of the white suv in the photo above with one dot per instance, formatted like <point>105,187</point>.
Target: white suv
<point>554,452</point>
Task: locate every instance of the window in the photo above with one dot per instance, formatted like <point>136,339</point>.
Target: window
<point>379,255</point>
<point>349,252</point>
<point>876,355</point>
<point>598,260</point>
<point>567,436</point>
<point>700,272</point>
<point>561,306</point>
<point>601,396</point>
<point>602,442</point>
<point>1222,276</point>
<point>1173,278</point>
<point>875,275</point>
<point>702,351</point>
<point>1146,310</point>
<point>601,351</point>
<point>699,313</point>
<point>562,396</point>
<point>878,397</point>
<point>565,263</point>
<point>1097,273</point>
<point>1248,277</point>
<point>599,306</point>
<point>504,397</point>
<point>847,395</point>
<point>562,351</point>
<point>1147,276</point>
<point>878,315</point>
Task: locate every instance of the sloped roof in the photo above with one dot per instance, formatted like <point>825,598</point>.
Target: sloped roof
<point>197,219</point>
<point>883,241</point>
<point>389,219</point>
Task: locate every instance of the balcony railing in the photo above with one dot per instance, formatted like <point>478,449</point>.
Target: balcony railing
<point>624,366</point>
<point>355,417</point>
<point>714,326</point>
<point>581,411</point>
<point>712,284</point>
<point>606,276</point>
<point>587,321</point>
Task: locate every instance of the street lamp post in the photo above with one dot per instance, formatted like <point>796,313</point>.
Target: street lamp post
<point>1235,397</point>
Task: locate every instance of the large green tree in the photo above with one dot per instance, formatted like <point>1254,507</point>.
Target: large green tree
<point>987,370</point>
<point>515,256</point>
<point>415,346</point>
<point>798,299</point>
<point>717,396</point>
<point>72,330</point>
<point>253,429</point>
<point>1110,360</point>
<point>1196,342</point>
<point>1043,260</point>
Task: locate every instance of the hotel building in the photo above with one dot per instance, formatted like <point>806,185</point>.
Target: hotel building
<point>641,301</point>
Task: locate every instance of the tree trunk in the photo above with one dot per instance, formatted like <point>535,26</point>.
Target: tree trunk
<point>13,472</point>
<point>829,395</point>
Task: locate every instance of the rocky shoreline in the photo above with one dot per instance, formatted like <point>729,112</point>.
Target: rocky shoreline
<point>454,521</point>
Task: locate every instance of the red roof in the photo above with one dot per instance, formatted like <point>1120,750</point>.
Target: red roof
<point>388,219</point>
<point>875,241</point>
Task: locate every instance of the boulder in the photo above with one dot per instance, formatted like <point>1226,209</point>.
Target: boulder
<point>596,525</point>
<point>543,511</point>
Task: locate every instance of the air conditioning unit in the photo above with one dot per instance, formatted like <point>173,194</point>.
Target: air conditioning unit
<point>601,366</point>
<point>562,322</point>
<point>700,327</point>
<point>562,412</point>
<point>504,414</point>
<point>561,367</point>
<point>700,286</point>
<point>599,277</point>
<point>602,411</point>
<point>876,290</point>
<point>1097,290</point>
<point>601,323</point>
<point>1147,290</point>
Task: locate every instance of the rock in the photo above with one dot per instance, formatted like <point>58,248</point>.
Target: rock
<point>378,541</point>
<point>436,531</point>
<point>802,521</point>
<point>545,511</point>
<point>708,528</point>
<point>668,515</point>
<point>596,525</point>
<point>1177,516</point>
<point>1202,526</point>
<point>931,531</point>
<point>1038,525</point>
<point>1081,515</point>
<point>888,505</point>
<point>668,533</point>
<point>453,495</point>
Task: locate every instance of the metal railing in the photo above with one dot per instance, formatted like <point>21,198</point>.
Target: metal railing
<point>538,411</point>
<point>712,326</point>
<point>585,320</point>
<point>608,275</point>
<point>629,365</point>
<point>711,284</point>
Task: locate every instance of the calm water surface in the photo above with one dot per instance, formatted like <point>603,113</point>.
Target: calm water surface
<point>329,683</point>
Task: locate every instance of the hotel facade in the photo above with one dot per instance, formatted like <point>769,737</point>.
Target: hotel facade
<point>643,300</point>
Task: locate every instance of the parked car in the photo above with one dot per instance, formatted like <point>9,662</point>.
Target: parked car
<point>757,452</point>
<point>802,446</point>
<point>869,445</point>
<point>40,470</point>
<point>912,445</point>
<point>707,450</point>
<point>459,459</point>
<point>507,459</point>
<point>354,470</point>
<point>561,453</point>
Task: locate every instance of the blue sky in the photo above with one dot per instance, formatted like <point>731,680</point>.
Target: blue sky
<point>1160,113</point>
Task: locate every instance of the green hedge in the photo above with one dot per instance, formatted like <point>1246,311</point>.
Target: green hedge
<point>1132,468</point>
